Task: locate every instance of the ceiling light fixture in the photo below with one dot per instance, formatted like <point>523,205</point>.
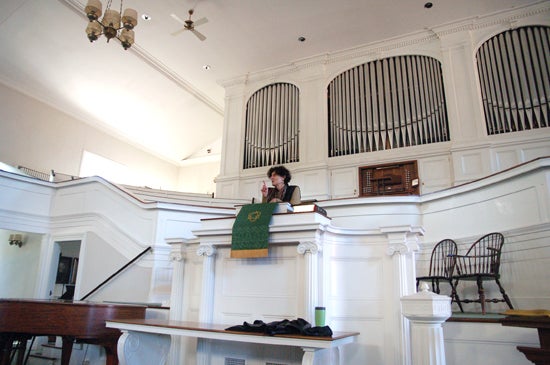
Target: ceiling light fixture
<point>110,25</point>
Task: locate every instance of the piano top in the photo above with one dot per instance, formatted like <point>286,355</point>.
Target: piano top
<point>79,319</point>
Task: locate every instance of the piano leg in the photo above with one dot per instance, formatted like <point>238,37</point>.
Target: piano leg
<point>6,348</point>
<point>22,348</point>
<point>111,352</point>
<point>6,342</point>
<point>66,349</point>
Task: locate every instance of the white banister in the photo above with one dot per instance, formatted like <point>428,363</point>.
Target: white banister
<point>426,311</point>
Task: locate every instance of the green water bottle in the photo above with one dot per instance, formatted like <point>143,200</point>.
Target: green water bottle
<point>320,314</point>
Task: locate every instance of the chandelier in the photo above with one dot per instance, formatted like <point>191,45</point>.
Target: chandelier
<point>111,25</point>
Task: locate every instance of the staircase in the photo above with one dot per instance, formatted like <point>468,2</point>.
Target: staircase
<point>45,353</point>
<point>49,353</point>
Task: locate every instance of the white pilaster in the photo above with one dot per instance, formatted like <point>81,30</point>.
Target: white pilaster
<point>177,258</point>
<point>310,250</point>
<point>426,311</point>
<point>178,255</point>
<point>402,243</point>
<point>207,299</point>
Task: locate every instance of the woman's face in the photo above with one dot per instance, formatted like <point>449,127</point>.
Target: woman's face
<point>277,179</point>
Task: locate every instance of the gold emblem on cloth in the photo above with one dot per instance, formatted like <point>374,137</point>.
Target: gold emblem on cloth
<point>254,216</point>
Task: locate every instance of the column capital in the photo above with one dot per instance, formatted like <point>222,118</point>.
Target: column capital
<point>308,246</point>
<point>178,248</point>
<point>206,250</point>
<point>176,256</point>
<point>402,240</point>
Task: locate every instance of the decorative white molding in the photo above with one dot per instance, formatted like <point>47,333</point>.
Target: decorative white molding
<point>380,49</point>
<point>505,17</point>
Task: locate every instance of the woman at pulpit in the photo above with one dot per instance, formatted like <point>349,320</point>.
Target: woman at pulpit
<point>281,190</point>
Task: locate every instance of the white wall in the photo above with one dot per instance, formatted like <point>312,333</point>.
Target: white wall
<point>99,261</point>
<point>38,136</point>
<point>198,178</point>
<point>19,266</point>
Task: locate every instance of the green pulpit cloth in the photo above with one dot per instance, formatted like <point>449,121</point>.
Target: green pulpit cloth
<point>251,231</point>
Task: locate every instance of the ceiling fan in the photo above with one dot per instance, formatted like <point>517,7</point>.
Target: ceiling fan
<point>190,25</point>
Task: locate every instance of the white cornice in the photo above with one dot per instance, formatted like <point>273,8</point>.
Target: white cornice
<point>379,49</point>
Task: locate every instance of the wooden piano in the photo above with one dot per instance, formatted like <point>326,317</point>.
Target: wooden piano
<point>20,319</point>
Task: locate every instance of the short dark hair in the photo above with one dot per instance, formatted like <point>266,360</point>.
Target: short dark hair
<point>281,171</point>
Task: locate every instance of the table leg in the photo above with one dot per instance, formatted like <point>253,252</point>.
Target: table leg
<point>309,356</point>
<point>313,356</point>
<point>139,348</point>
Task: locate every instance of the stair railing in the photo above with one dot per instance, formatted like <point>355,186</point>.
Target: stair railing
<point>117,272</point>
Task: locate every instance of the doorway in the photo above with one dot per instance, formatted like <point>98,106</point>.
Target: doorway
<point>67,254</point>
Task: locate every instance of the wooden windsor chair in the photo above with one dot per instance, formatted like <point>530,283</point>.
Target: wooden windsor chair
<point>482,263</point>
<point>442,266</point>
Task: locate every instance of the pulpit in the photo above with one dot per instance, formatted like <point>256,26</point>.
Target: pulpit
<point>310,263</point>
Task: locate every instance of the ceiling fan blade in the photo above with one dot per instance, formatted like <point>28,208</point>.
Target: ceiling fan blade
<point>177,18</point>
<point>200,21</point>
<point>178,31</point>
<point>198,34</point>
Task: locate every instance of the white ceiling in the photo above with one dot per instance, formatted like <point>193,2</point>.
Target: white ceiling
<point>157,94</point>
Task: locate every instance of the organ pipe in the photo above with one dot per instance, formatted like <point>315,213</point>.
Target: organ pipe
<point>272,127</point>
<point>385,104</point>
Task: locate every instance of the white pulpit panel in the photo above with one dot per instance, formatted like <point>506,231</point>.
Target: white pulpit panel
<point>262,288</point>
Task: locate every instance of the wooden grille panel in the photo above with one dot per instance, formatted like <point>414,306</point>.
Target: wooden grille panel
<point>389,179</point>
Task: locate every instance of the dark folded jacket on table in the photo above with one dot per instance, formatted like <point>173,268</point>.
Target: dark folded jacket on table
<point>285,327</point>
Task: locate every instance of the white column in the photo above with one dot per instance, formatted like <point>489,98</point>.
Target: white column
<point>310,250</point>
<point>402,243</point>
<point>207,299</point>
<point>426,311</point>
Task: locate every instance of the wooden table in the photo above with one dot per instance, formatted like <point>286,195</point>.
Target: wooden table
<point>137,331</point>
<point>539,356</point>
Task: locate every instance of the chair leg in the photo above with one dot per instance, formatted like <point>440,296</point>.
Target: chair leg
<point>454,295</point>
<point>504,295</point>
<point>481,292</point>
